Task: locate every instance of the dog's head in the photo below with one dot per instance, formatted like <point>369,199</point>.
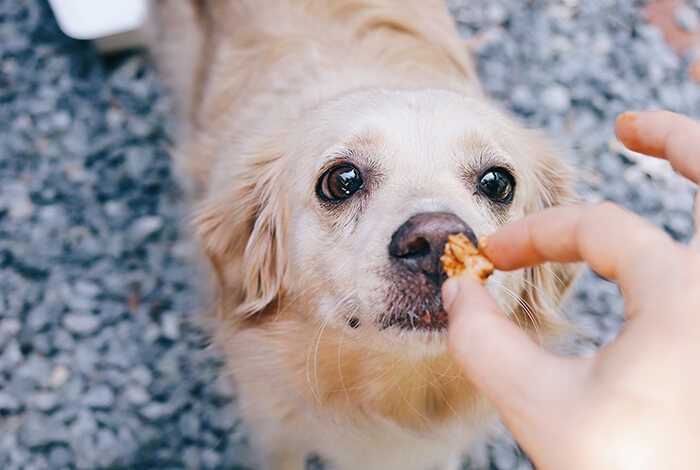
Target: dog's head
<point>344,219</point>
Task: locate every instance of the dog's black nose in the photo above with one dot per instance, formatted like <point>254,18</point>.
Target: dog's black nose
<point>420,241</point>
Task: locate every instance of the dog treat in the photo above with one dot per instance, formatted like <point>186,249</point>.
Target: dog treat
<point>463,258</point>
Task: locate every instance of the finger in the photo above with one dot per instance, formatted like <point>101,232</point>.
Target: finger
<point>525,383</point>
<point>617,244</point>
<point>666,135</point>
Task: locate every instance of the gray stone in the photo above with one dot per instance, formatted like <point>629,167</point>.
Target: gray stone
<point>687,19</point>
<point>36,368</point>
<point>60,457</point>
<point>8,403</point>
<point>15,198</point>
<point>59,376</point>
<point>141,375</point>
<point>81,323</point>
<point>9,327</point>
<point>99,396</point>
<point>145,227</point>
<point>157,411</point>
<point>43,401</point>
<point>170,325</point>
<point>38,432</point>
<point>189,425</point>
<point>138,160</point>
<point>136,395</point>
<point>556,98</point>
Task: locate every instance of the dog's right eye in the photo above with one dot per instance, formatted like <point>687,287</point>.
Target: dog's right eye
<point>339,183</point>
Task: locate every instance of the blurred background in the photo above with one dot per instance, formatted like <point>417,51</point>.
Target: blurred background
<point>101,364</point>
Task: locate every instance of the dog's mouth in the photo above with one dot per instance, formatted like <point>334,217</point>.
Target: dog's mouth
<point>414,302</point>
<point>429,320</point>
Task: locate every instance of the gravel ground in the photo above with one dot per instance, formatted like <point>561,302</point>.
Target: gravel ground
<point>100,366</point>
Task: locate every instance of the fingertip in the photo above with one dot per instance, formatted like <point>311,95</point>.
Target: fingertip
<point>626,130</point>
<point>450,290</point>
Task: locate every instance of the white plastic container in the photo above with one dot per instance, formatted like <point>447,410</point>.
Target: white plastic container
<point>111,24</point>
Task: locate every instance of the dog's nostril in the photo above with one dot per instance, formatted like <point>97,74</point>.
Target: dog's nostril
<point>417,247</point>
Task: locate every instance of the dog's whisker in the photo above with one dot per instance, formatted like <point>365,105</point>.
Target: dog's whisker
<point>403,395</point>
<point>527,310</point>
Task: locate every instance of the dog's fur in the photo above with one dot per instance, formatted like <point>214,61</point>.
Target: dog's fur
<point>271,93</point>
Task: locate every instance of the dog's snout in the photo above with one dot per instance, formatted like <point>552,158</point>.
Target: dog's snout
<point>420,241</point>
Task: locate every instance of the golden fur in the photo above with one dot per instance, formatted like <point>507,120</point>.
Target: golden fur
<point>270,92</point>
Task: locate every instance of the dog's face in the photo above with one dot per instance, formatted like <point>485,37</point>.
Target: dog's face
<point>346,222</point>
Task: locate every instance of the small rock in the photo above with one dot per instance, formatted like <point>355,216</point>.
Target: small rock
<point>556,98</point>
<point>100,396</point>
<point>222,419</point>
<point>44,401</point>
<point>10,327</point>
<point>81,323</point>
<point>210,459</point>
<point>86,289</point>
<point>60,457</point>
<point>170,324</point>
<point>59,376</point>
<point>38,432</point>
<point>141,375</point>
<point>107,446</point>
<point>8,403</point>
<point>190,457</point>
<point>189,425</point>
<point>136,395</point>
<point>36,368</point>
<point>687,19</point>
<point>15,198</point>
<point>156,411</point>
<point>138,160</point>
<point>144,227</point>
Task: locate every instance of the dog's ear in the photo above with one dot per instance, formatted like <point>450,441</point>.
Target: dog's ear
<point>242,231</point>
<point>547,284</point>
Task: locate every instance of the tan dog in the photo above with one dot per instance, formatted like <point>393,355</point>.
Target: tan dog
<point>333,145</point>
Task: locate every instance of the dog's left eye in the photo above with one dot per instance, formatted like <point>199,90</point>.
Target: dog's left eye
<point>497,184</point>
<point>339,183</point>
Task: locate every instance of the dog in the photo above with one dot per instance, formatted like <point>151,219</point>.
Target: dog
<point>331,146</point>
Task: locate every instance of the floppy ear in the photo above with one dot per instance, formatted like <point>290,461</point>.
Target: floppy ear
<point>242,231</point>
<point>546,285</point>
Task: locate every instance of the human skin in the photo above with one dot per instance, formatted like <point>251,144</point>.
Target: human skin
<point>635,403</point>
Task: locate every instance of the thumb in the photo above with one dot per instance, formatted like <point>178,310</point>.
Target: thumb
<point>517,376</point>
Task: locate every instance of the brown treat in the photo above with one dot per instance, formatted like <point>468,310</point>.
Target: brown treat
<point>463,258</point>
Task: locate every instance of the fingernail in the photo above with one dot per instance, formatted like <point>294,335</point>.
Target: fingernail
<point>626,130</point>
<point>449,292</point>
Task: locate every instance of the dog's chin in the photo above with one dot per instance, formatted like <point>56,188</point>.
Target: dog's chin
<point>428,320</point>
<point>413,303</point>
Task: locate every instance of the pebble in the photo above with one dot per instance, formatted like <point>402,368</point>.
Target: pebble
<point>170,325</point>
<point>136,395</point>
<point>59,376</point>
<point>81,323</point>
<point>100,396</point>
<point>556,98</point>
<point>687,18</point>
<point>189,425</point>
<point>8,403</point>
<point>157,411</point>
<point>144,227</point>
<point>44,401</point>
<point>37,432</point>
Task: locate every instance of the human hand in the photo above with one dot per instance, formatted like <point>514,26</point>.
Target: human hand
<point>634,404</point>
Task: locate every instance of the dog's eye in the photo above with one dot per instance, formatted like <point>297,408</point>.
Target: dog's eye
<point>339,183</point>
<point>497,184</point>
